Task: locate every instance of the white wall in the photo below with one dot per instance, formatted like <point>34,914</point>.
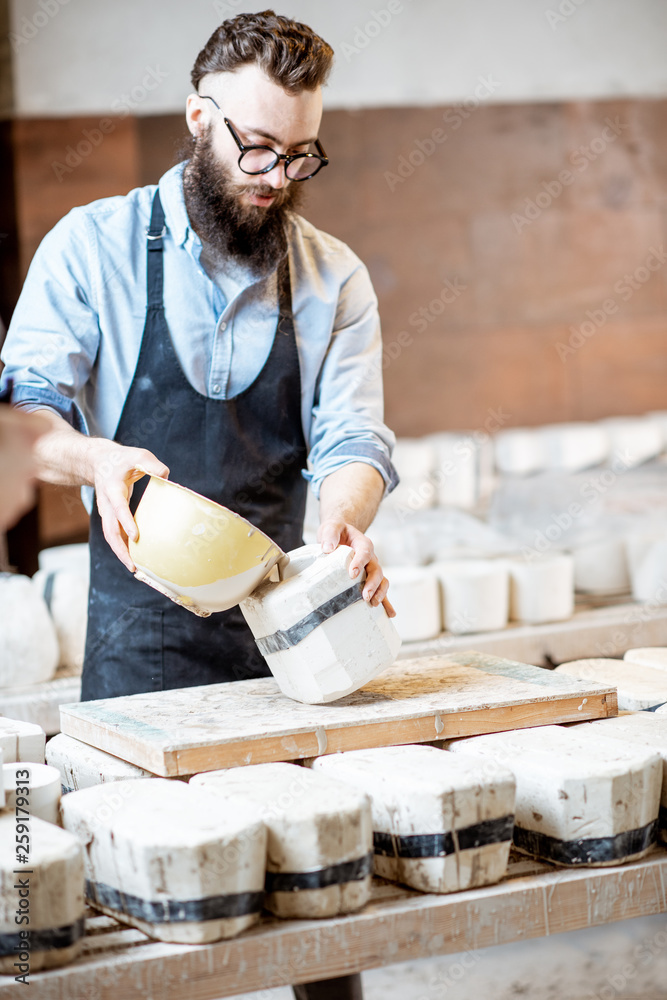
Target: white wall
<point>83,56</point>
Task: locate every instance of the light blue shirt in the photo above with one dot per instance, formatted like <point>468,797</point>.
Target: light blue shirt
<point>74,339</point>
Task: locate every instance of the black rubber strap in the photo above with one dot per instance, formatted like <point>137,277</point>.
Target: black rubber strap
<point>653,708</point>
<point>174,911</point>
<point>662,818</point>
<point>438,845</point>
<point>42,940</point>
<point>346,871</point>
<point>292,636</point>
<point>589,850</point>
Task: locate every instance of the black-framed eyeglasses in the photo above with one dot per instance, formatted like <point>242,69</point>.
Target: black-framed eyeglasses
<point>262,159</point>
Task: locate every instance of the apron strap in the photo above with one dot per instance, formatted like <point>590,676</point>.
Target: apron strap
<point>285,318</point>
<point>154,234</point>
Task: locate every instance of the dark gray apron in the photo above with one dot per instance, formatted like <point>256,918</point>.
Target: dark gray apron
<point>246,453</point>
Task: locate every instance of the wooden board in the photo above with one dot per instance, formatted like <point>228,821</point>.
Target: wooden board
<point>398,925</point>
<point>182,732</point>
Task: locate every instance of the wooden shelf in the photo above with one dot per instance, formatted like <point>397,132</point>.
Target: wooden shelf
<point>398,925</point>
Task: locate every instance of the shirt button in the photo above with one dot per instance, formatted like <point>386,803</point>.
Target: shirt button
<point>223,327</point>
<point>216,388</point>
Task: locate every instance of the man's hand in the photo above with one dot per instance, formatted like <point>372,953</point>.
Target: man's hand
<point>115,470</point>
<point>333,533</point>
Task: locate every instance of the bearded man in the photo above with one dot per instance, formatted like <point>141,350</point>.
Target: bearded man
<point>201,329</point>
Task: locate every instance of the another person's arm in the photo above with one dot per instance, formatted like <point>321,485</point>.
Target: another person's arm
<point>69,458</point>
<point>18,466</point>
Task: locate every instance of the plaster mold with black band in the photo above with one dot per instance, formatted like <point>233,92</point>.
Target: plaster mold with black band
<point>54,892</point>
<point>440,823</point>
<point>170,859</point>
<point>645,729</point>
<point>319,637</point>
<point>581,798</point>
<point>82,766</point>
<point>319,849</point>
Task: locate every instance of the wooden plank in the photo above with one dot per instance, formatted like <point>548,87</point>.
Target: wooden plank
<point>181,732</point>
<point>592,631</point>
<point>398,925</point>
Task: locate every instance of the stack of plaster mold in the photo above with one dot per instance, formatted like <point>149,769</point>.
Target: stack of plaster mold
<point>82,766</point>
<point>320,841</point>
<point>21,741</point>
<point>320,638</point>
<point>474,594</point>
<point>646,729</point>
<point>41,866</point>
<point>29,652</point>
<point>647,562</point>
<point>440,822</point>
<point>640,688</point>
<point>541,588</point>
<point>415,596</point>
<point>63,582</point>
<point>169,858</point>
<point>648,656</point>
<point>37,784</point>
<point>581,798</point>
<point>415,460</point>
<point>45,884</point>
<point>24,773</point>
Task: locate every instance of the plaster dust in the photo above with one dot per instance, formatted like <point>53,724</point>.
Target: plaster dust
<point>580,965</point>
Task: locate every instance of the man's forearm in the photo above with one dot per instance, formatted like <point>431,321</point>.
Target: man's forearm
<point>66,457</point>
<point>352,494</point>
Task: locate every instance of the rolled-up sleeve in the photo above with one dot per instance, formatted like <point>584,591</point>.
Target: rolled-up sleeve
<point>348,411</point>
<point>53,337</point>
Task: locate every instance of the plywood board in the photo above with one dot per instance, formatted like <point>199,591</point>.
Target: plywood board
<point>398,925</point>
<point>248,722</point>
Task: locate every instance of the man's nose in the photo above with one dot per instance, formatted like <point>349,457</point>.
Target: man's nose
<point>275,177</point>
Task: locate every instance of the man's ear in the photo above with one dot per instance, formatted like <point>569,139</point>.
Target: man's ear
<point>195,114</point>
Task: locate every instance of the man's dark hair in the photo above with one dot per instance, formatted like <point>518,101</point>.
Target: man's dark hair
<point>290,53</point>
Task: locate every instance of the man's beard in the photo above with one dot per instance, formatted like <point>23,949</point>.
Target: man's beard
<point>251,235</point>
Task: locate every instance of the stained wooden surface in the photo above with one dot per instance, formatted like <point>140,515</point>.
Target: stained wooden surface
<point>249,722</point>
<point>398,925</point>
